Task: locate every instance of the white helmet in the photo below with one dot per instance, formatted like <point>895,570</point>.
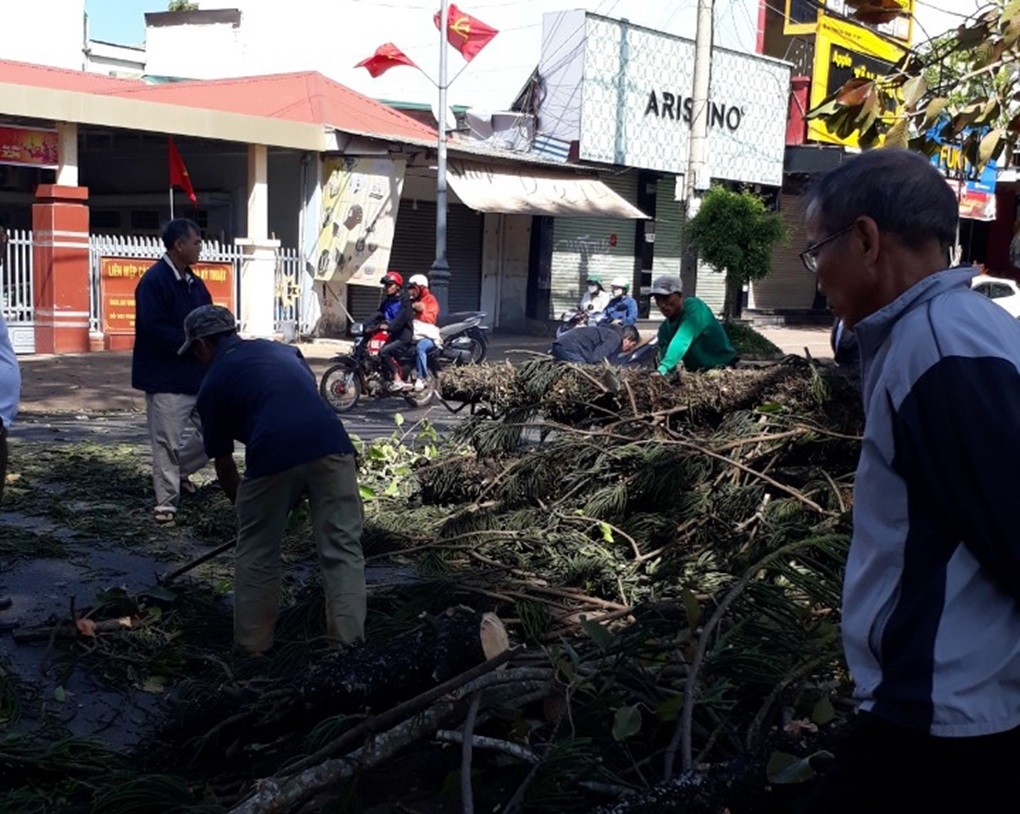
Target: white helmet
<point>620,282</point>
<point>419,280</point>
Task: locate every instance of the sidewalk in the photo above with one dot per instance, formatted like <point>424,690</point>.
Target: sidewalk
<point>90,383</point>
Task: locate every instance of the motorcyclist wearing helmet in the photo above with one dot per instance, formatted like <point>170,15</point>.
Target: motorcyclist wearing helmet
<point>426,313</point>
<point>393,289</point>
<point>413,307</point>
<point>595,297</point>
<point>622,308</point>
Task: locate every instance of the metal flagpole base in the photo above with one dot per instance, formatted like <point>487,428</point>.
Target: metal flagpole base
<point>439,284</point>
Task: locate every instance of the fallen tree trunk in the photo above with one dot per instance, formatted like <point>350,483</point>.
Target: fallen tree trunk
<point>367,677</point>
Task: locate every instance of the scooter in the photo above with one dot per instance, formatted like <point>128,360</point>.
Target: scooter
<point>363,372</point>
<point>576,318</point>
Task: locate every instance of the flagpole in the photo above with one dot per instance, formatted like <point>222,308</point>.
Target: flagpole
<point>171,202</point>
<point>439,276</point>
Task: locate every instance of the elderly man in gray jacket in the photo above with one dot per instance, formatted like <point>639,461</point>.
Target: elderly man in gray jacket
<point>931,596</point>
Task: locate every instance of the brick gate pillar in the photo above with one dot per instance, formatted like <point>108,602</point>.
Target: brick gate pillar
<point>60,258</point>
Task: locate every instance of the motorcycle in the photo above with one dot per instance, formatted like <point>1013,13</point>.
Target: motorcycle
<point>363,372</point>
<point>576,318</point>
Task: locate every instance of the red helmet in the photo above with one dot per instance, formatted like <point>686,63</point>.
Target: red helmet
<point>393,277</point>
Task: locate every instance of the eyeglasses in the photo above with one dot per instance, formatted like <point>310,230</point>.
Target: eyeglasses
<point>809,257</point>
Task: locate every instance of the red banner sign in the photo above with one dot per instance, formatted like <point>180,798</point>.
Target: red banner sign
<point>36,148</point>
<point>118,277</point>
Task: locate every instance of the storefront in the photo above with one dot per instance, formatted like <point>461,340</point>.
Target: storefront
<point>618,97</point>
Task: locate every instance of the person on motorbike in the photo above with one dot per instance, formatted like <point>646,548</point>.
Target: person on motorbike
<point>426,313</point>
<point>622,308</point>
<point>401,331</point>
<point>595,298</point>
<point>393,285</point>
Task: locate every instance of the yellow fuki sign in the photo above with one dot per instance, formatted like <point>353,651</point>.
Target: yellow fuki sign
<point>844,51</point>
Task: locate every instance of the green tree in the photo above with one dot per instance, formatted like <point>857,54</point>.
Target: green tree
<point>735,232</point>
<point>966,80</point>
<point>182,5</point>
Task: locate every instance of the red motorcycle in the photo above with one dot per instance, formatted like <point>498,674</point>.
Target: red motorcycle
<point>365,372</point>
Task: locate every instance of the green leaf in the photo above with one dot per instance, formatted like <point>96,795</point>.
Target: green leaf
<point>626,722</point>
<point>898,135</point>
<point>607,532</point>
<point>823,711</point>
<point>933,111</point>
<point>398,419</point>
<point>988,148</point>
<point>669,710</point>
<point>59,694</point>
<point>366,492</point>
<point>784,769</point>
<point>693,609</point>
<point>913,89</point>
<point>593,630</point>
<point>155,685</point>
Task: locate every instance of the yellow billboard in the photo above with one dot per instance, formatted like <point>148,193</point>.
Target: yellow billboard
<point>803,16</point>
<point>844,51</point>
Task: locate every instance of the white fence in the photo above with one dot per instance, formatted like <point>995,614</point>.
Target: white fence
<point>16,279</point>
<point>16,290</point>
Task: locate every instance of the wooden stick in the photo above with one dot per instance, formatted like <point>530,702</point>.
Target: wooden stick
<point>196,562</point>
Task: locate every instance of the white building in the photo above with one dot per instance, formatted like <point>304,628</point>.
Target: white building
<point>255,37</point>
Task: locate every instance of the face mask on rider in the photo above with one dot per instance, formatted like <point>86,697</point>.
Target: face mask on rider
<point>593,288</point>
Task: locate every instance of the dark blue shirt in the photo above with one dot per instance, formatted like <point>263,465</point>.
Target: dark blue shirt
<point>162,301</point>
<point>263,394</point>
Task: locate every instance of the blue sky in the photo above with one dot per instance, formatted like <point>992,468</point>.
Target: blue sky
<point>120,21</point>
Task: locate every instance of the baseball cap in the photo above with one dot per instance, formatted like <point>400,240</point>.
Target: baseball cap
<point>206,320</point>
<point>666,284</point>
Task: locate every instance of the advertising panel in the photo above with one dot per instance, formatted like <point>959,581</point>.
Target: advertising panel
<point>803,15</point>
<point>636,108</point>
<point>118,277</point>
<point>29,147</point>
<point>975,192</point>
<point>360,198</point>
<point>844,51</point>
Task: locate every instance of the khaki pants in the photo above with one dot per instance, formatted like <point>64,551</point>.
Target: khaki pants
<point>173,456</point>
<point>262,506</point>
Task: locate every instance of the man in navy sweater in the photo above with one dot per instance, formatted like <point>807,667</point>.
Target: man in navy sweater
<point>264,395</point>
<point>165,295</point>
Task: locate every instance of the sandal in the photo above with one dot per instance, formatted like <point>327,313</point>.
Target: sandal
<point>188,487</point>
<point>164,517</point>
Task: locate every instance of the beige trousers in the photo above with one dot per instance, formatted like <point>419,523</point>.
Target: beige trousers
<point>262,506</point>
<point>174,456</point>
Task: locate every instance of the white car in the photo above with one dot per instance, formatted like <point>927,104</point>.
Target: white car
<point>1000,290</point>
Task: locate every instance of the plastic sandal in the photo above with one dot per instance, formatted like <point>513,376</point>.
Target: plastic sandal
<point>164,517</point>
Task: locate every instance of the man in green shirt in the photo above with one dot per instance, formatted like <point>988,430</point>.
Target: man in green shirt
<point>691,333</point>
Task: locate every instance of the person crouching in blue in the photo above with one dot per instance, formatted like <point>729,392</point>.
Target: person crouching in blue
<point>264,395</point>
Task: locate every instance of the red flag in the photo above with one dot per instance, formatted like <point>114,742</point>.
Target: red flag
<point>385,57</point>
<point>467,34</point>
<point>178,172</point>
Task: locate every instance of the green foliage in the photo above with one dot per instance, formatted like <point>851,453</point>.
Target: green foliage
<point>747,342</point>
<point>735,232</point>
<point>181,5</point>
<point>963,79</point>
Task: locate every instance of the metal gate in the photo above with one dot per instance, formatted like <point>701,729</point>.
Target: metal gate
<point>16,290</point>
<point>287,305</point>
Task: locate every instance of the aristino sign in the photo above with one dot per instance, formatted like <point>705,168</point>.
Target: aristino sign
<point>616,93</point>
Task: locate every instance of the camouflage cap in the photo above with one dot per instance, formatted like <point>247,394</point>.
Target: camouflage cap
<point>206,320</point>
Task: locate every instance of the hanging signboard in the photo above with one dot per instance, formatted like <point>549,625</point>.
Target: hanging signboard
<point>118,277</point>
<point>29,147</point>
<point>802,16</point>
<point>974,191</point>
<point>844,51</point>
<point>359,209</point>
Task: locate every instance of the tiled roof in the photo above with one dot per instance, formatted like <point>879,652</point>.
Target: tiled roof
<point>307,97</point>
<point>43,76</point>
